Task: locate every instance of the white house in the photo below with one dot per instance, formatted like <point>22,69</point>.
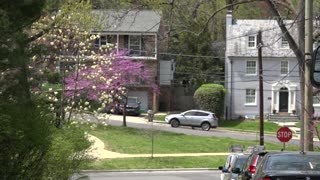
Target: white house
<point>281,83</point>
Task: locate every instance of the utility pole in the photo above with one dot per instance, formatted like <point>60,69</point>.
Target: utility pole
<point>308,140</point>
<point>259,45</point>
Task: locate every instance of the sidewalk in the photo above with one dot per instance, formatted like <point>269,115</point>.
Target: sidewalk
<point>98,151</point>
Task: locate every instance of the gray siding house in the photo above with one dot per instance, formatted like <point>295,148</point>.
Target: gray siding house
<point>281,84</point>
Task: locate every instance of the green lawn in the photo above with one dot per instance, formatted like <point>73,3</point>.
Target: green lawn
<point>249,125</point>
<point>159,117</point>
<point>135,141</point>
<point>158,163</point>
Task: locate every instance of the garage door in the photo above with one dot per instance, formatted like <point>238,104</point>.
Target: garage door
<point>143,97</point>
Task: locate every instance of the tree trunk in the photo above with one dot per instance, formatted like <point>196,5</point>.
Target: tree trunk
<point>297,48</point>
<point>124,112</point>
<point>301,41</point>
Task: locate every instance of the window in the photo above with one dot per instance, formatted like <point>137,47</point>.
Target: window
<point>251,67</point>
<point>252,41</point>
<point>190,113</point>
<point>316,99</point>
<point>136,45</point>
<point>284,42</point>
<point>250,96</point>
<point>284,68</point>
<point>103,40</point>
<point>201,114</point>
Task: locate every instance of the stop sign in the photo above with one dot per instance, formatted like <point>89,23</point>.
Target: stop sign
<point>284,134</point>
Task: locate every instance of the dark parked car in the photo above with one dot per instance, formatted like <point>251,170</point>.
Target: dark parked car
<point>289,166</point>
<point>133,106</point>
<point>193,118</point>
<point>249,167</point>
<point>233,166</point>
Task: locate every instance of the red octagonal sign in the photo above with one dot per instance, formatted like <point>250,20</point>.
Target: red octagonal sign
<point>284,134</point>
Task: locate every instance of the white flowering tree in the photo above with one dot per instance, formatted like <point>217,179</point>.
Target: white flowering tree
<point>91,78</point>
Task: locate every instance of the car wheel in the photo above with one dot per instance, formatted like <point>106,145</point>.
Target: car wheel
<point>205,126</point>
<point>175,123</point>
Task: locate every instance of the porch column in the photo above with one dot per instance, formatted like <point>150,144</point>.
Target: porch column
<point>290,101</point>
<point>275,100</point>
<point>155,45</point>
<point>117,43</point>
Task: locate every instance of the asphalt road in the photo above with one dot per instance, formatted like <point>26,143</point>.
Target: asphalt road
<point>152,175</point>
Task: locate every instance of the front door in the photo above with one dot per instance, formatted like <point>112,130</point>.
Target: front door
<point>283,100</point>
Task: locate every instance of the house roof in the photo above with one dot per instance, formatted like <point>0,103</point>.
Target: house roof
<point>261,24</point>
<point>238,32</point>
<point>138,21</point>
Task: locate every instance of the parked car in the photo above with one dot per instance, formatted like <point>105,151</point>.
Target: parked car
<point>289,165</point>
<point>233,166</point>
<point>133,106</point>
<point>194,118</point>
<point>249,167</point>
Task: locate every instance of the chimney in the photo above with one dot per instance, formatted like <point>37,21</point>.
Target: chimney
<point>229,12</point>
<point>229,17</point>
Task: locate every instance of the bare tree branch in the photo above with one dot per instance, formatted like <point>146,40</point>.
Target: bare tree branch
<point>293,45</point>
<point>288,5</point>
<point>195,9</point>
<point>223,8</point>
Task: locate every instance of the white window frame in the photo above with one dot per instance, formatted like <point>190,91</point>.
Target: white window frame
<point>252,43</point>
<point>282,67</point>
<point>284,43</point>
<point>134,45</point>
<point>249,94</point>
<point>247,68</point>
<point>101,41</point>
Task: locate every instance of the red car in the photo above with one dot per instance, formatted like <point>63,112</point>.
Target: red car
<point>249,167</point>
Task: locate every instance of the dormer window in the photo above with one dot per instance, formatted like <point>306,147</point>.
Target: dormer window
<point>252,41</point>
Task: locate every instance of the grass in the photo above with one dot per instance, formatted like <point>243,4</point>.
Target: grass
<point>249,125</point>
<point>158,163</point>
<point>159,117</point>
<point>135,141</point>
<point>54,87</point>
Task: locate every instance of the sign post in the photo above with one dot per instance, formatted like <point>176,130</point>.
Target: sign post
<point>284,134</point>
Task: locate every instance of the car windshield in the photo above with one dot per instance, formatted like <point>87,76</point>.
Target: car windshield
<point>294,162</point>
<point>132,101</point>
<point>240,162</point>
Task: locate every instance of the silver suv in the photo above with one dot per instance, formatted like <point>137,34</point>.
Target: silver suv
<point>194,118</point>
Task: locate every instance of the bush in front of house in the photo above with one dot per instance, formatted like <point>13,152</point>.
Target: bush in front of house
<point>210,97</point>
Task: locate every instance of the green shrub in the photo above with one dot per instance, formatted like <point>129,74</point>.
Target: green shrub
<point>67,152</point>
<point>25,138</point>
<point>210,97</point>
<point>53,77</point>
<point>31,146</point>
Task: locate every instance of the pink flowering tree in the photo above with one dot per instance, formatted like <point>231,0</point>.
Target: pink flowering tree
<point>91,79</point>
<point>109,83</point>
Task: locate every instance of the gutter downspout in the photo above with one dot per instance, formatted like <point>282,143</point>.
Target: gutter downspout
<point>231,88</point>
